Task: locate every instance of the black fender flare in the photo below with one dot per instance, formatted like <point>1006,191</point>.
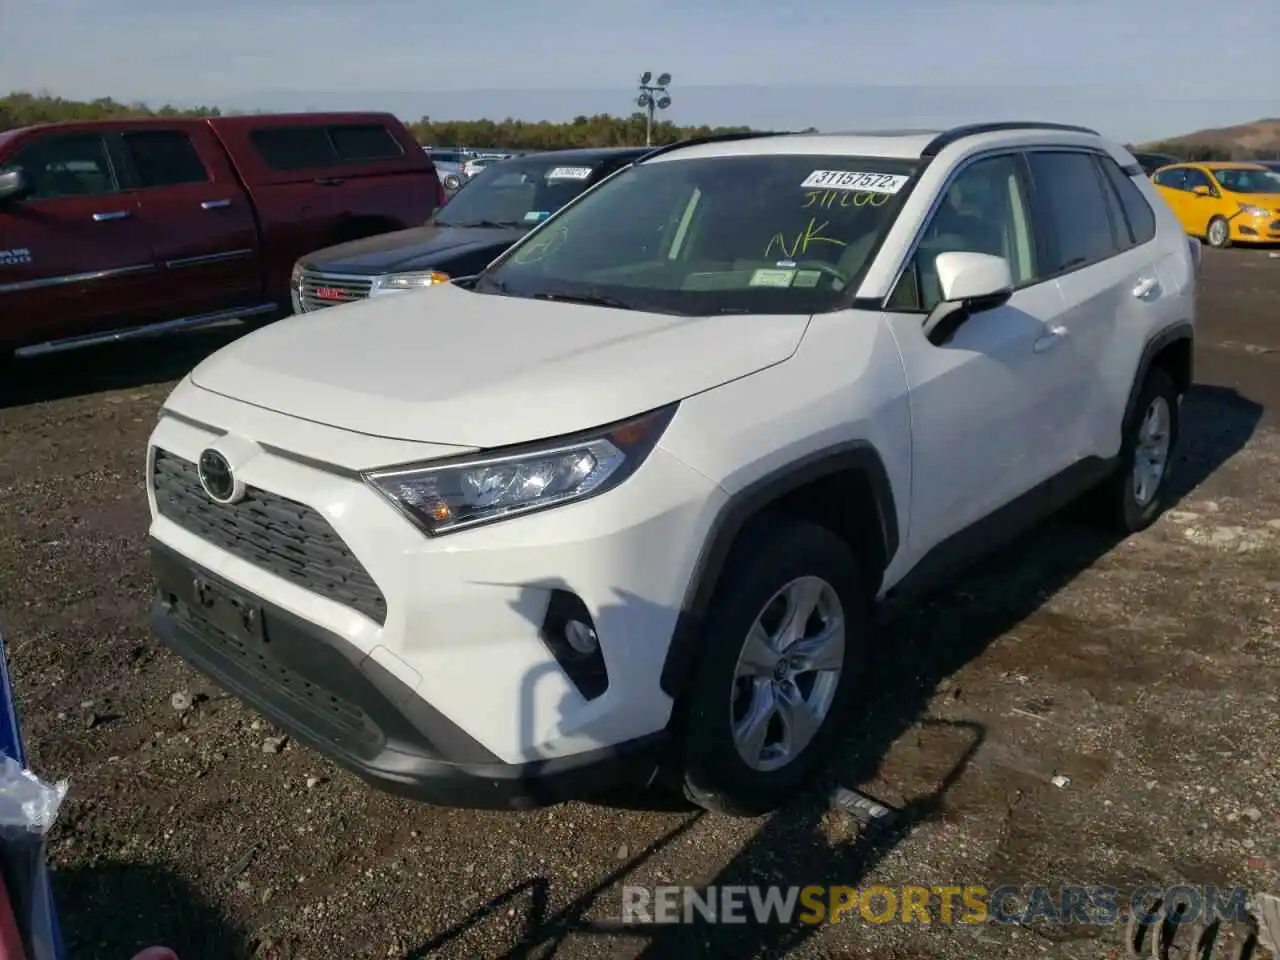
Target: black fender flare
<point>1183,330</point>
<point>858,455</point>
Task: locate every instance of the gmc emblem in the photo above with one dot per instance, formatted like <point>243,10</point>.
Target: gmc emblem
<point>331,293</point>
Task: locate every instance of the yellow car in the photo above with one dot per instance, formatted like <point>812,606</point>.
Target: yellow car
<point>1223,203</point>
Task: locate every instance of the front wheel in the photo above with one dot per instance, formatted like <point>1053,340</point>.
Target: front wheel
<point>1218,234</point>
<point>783,658</point>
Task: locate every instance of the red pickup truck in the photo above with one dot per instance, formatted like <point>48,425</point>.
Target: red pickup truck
<point>111,230</point>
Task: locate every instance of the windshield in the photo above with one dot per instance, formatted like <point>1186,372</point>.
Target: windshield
<point>744,234</point>
<point>1248,181</point>
<point>517,193</point>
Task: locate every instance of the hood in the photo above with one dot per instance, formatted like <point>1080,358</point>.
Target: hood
<point>1267,201</point>
<point>448,366</point>
<point>419,248</point>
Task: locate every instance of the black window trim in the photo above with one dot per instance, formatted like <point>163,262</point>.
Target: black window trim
<point>120,151</point>
<point>113,168</point>
<point>1122,237</point>
<point>1018,153</point>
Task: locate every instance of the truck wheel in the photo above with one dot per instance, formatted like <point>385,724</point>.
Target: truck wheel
<point>782,659</point>
<point>1218,233</point>
<point>1135,495</point>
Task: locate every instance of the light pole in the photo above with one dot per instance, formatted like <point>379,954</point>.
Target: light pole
<point>653,97</point>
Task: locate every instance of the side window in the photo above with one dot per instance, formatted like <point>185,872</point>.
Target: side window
<point>294,148</point>
<point>71,165</point>
<point>983,210</point>
<point>1070,190</point>
<point>1198,178</point>
<point>1174,179</point>
<point>1137,212</point>
<point>165,158</point>
<point>370,141</point>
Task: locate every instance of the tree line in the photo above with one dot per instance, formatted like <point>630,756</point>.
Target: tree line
<point>600,130</point>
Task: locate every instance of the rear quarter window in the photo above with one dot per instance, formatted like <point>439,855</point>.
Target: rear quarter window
<point>306,147</point>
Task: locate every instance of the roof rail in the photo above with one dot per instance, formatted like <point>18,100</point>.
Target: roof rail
<point>943,140</point>
<point>712,138</point>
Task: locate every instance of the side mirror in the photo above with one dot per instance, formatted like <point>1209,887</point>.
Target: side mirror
<point>1202,191</point>
<point>970,283</point>
<point>13,183</point>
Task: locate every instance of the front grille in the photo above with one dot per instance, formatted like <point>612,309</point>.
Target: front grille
<point>283,537</point>
<point>317,290</point>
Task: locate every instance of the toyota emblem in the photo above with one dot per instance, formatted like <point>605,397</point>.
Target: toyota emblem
<point>216,477</point>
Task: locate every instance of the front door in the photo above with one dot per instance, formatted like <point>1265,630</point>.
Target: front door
<point>202,228</point>
<point>986,414</point>
<point>76,257</point>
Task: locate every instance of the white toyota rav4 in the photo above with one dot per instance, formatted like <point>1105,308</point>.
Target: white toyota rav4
<point>622,502</point>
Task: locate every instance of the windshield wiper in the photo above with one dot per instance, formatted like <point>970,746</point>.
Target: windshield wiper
<point>589,299</point>
<point>483,223</point>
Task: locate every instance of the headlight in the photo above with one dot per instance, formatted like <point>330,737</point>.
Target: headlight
<point>295,287</point>
<point>1252,211</point>
<point>400,282</point>
<point>441,498</point>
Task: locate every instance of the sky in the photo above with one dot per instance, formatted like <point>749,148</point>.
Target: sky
<point>1134,69</point>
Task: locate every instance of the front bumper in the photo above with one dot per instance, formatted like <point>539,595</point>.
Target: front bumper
<point>461,622</point>
<point>330,695</point>
<point>1251,229</point>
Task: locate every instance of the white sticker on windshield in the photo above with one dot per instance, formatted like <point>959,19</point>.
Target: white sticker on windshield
<point>569,173</point>
<point>533,216</point>
<point>851,180</point>
<point>772,278</point>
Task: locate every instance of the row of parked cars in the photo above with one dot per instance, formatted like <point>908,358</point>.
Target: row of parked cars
<point>116,230</point>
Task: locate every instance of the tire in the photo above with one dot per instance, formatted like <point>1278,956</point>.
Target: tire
<point>1125,505</point>
<point>1218,233</point>
<point>770,556</point>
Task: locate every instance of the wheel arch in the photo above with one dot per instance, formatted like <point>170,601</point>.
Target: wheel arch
<point>1173,350</point>
<point>845,488</point>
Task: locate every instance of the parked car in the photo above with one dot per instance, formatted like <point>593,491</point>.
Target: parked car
<point>1272,165</point>
<point>1223,203</point>
<point>476,164</point>
<point>624,501</point>
<point>1151,162</point>
<point>115,229</point>
<point>499,207</point>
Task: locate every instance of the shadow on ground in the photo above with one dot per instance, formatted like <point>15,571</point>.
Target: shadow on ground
<point>116,366</point>
<point>112,910</point>
<point>920,649</point>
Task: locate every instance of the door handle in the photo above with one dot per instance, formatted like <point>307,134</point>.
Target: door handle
<point>1051,339</point>
<point>215,204</point>
<point>1145,286</point>
<point>112,215</point>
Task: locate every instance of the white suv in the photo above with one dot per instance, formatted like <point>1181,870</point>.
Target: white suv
<point>622,502</point>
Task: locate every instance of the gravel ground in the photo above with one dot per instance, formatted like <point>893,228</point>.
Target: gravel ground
<point>1145,672</point>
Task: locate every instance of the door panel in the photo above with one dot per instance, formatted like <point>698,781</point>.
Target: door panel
<point>203,232</point>
<point>981,418</point>
<point>86,259</point>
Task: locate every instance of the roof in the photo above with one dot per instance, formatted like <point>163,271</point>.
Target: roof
<point>1223,164</point>
<point>894,144</point>
<point>328,116</point>
<point>588,154</point>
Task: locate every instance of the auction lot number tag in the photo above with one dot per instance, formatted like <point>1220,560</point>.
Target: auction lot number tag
<point>569,173</point>
<point>854,181</point>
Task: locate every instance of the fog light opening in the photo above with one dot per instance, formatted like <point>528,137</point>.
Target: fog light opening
<point>581,637</point>
<point>570,635</point>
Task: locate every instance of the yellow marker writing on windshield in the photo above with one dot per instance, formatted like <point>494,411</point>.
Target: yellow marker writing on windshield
<point>811,234</point>
<point>844,199</point>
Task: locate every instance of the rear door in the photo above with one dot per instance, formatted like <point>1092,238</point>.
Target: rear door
<point>202,228</point>
<point>84,263</point>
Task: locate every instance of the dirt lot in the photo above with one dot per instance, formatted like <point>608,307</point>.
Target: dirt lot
<point>1146,672</point>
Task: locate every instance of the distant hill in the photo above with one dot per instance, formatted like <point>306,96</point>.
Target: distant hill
<point>1246,141</point>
